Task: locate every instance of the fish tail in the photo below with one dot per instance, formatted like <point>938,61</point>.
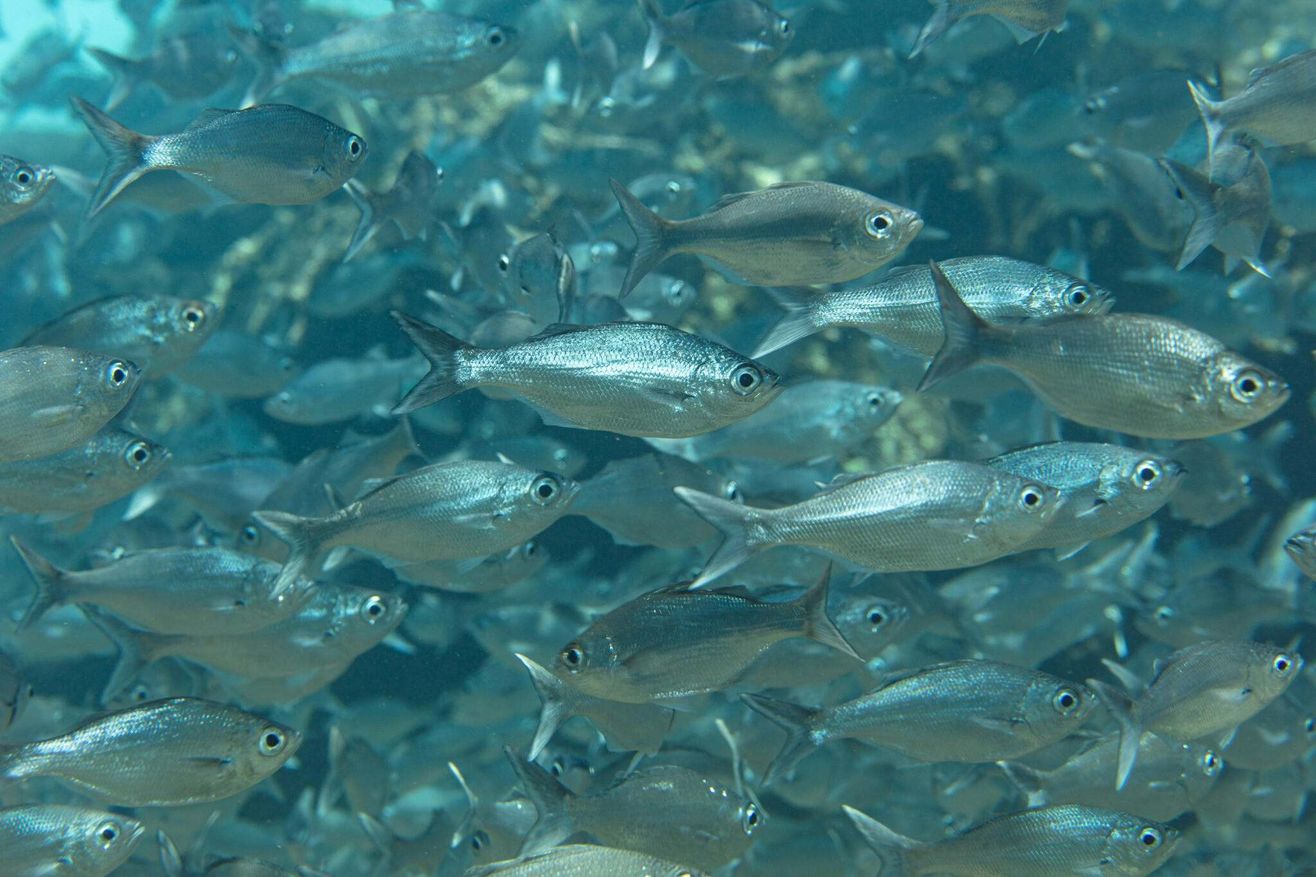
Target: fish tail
<point>653,15</point>
<point>1121,708</point>
<point>651,246</point>
<point>940,22</point>
<point>267,57</point>
<point>733,520</point>
<point>891,847</point>
<point>304,537</point>
<point>1027,780</point>
<point>550,799</point>
<point>51,582</point>
<point>127,151</point>
<point>369,223</point>
<point>1209,110</point>
<point>1198,190</point>
<point>127,75</point>
<point>800,321</point>
<point>964,330</point>
<point>554,711</point>
<point>138,649</point>
<point>171,861</point>
<point>798,722</point>
<point>818,626</point>
<point>445,354</point>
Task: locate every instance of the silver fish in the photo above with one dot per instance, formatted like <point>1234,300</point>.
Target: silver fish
<point>480,575</point>
<point>939,514</point>
<point>723,38</point>
<point>540,278</point>
<point>584,860</point>
<point>791,234</point>
<point>268,154</point>
<point>55,398</point>
<point>1025,18</point>
<point>40,840</point>
<point>1301,547</point>
<point>409,207</point>
<point>111,464</point>
<point>1140,191</point>
<point>1276,103</point>
<point>335,390</point>
<point>165,753</point>
<point>22,186</point>
<point>1231,208</point>
<point>236,365</point>
<point>15,692</point>
<point>1141,375</point>
<point>902,307</point>
<point>640,379</point>
<point>183,67</point>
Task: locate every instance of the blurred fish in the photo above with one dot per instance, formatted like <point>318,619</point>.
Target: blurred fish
<point>1276,104</point>
<point>1154,377</point>
<point>47,839</point>
<point>184,67</point>
<point>939,514</point>
<point>334,390</point>
<point>271,154</point>
<point>584,860</point>
<point>236,365</point>
<point>1141,191</point>
<point>723,38</point>
<point>1231,217</point>
<point>641,379</point>
<point>790,234</point>
<point>477,576</point>
<point>1145,111</point>
<point>15,692</point>
<point>165,753</point>
<point>224,493</point>
<point>540,278</point>
<point>1301,546</point>
<point>1048,841</point>
<point>22,186</point>
<point>111,464</point>
<point>409,206</point>
<point>1025,18</point>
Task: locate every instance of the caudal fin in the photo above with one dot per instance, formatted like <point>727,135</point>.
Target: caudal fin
<point>1121,708</point>
<point>892,848</point>
<point>963,333</point>
<point>137,649</point>
<point>800,321</point>
<point>937,25</point>
<point>1209,110</point>
<point>553,710</point>
<point>550,799</point>
<point>1198,190</point>
<point>126,149</point>
<point>1027,780</point>
<point>818,626</point>
<point>653,15</point>
<point>127,74</point>
<point>733,520</point>
<point>370,222</point>
<point>650,237</point>
<point>51,582</point>
<point>445,354</point>
<point>800,725</point>
<point>304,538</point>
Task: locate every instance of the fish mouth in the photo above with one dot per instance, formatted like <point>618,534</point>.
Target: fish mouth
<point>1295,545</point>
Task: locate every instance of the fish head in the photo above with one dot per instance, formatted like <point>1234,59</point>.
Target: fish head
<point>366,616</point>
<point>1201,768</point>
<point>99,841</point>
<point>874,406</point>
<point>1057,706</point>
<point>736,384</point>
<point>1244,391</point>
<point>193,318</point>
<point>593,662</point>
<point>1271,670</point>
<point>1019,507</point>
<point>1058,294</point>
<point>483,46</point>
<point>265,745</point>
<point>879,230</point>
<point>138,458</point>
<point>23,184</point>
<point>871,622</point>
<point>1301,546</point>
<point>1137,484</point>
<point>545,494</point>
<point>1137,846</point>
<point>342,154</point>
<point>107,381</point>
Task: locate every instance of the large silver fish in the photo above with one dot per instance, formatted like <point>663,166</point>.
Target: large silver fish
<point>109,465</point>
<point>43,840</point>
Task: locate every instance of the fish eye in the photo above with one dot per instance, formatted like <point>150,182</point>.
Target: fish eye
<point>272,741</point>
<point>876,615</point>
<point>573,657</point>
<point>117,374</point>
<point>675,291</point>
<point>1247,385</point>
<point>504,263</point>
<point>783,27</point>
<point>108,833</point>
<point>1147,473</point>
<point>879,224</point>
<point>732,492</point>
<point>1282,664</point>
<point>1150,837</point>
<point>558,767</point>
<point>24,177</point>
<point>1211,763</point>
<point>137,454</point>
<point>1031,497</point>
<point>1309,726</point>
<point>530,549</point>
<point>249,535</point>
<point>356,147</point>
<point>495,37</point>
<point>479,840</point>
<point>746,378</point>
<point>1066,700</point>
<point>674,187</point>
<point>544,489</point>
<point>875,401</point>
<point>373,608</point>
<point>1164,613</point>
<point>1077,295</point>
<point>194,317</point>
<point>750,818</point>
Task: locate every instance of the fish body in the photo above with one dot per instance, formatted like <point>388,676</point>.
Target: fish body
<point>902,307</point>
<point>267,154</point>
<point>724,38</point>
<point>1141,191</point>
<point>42,840</point>
<point>159,333</point>
<point>1277,104</point>
<point>1133,373</point>
<point>111,464</point>
<point>335,390</point>
<point>236,365</point>
<point>22,186</point>
<point>164,753</point>
<point>639,379</point>
<point>584,860</point>
<point>939,514</point>
<point>1025,18</point>
<point>791,234</point>
<point>184,67</point>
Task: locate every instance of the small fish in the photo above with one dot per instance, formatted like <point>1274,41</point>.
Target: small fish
<point>409,206</point>
<point>358,772</point>
<point>236,365</point>
<point>22,186</point>
<point>1146,111</point>
<point>43,840</point>
<point>902,307</point>
<point>1209,688</point>
<point>1133,373</point>
<point>111,464</point>
<point>1231,215</point>
<point>1105,488</point>
<point>664,810</point>
<point>1301,547</point>
<point>55,398</point>
<point>335,390</point>
<point>185,67</point>
<point>1025,18</point>
<point>639,379</point>
<point>723,38</point>
<point>1278,104</point>
<point>675,642</point>
<point>1140,191</point>
<point>269,154</point>
<point>584,860</point>
<point>481,576</point>
<point>790,234</point>
<point>197,591</point>
<point>540,278</point>
<point>15,692</point>
<point>408,53</point>
<point>939,514</point>
<point>1047,842</point>
<point>158,333</point>
<point>160,754</point>
<point>966,711</point>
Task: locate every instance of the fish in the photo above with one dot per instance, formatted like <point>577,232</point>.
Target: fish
<point>1025,18</point>
<point>1048,841</point>
<point>1140,190</point>
<point>1275,104</point>
<point>409,206</point>
<point>675,642</point>
<point>1301,548</point>
<point>236,365</point>
<point>1145,111</point>
<point>966,711</point>
<point>902,307</point>
<point>111,464</point>
<point>22,186</point>
<point>57,398</point>
<point>1208,688</point>
<point>1158,377</point>
<point>481,576</point>
<point>166,753</point>
<point>540,278</point>
<point>584,860</point>
<point>183,67</point>
<point>792,234</point>
<point>334,390</point>
<point>267,154</point>
<point>48,839</point>
<point>444,511</point>
<point>939,514</point>
<point>638,379</point>
<point>407,53</point>
<point>1106,488</point>
<point>15,692</point>
<point>1232,216</point>
<point>723,38</point>
<point>157,333</point>
<point>196,591</point>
